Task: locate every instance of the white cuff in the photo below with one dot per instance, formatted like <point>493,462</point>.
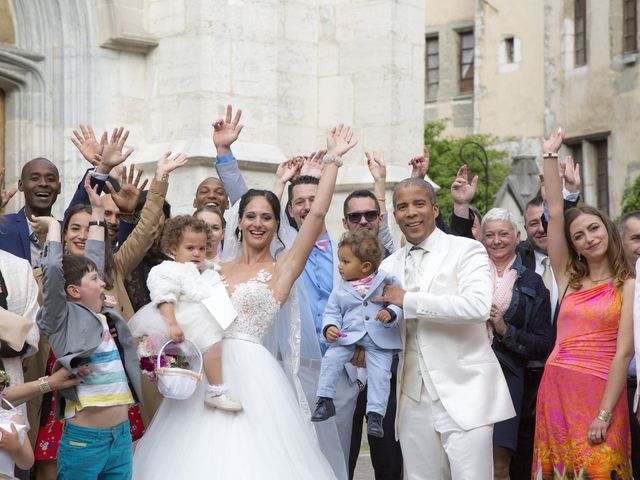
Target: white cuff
<point>410,305</point>
<point>570,196</point>
<point>99,176</point>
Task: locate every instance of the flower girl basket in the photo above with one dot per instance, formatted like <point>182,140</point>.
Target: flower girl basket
<point>176,382</point>
<point>6,462</point>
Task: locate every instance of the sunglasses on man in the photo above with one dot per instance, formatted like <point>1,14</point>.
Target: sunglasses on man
<point>369,216</point>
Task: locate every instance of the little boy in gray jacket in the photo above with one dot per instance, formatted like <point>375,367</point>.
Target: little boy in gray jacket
<point>94,343</point>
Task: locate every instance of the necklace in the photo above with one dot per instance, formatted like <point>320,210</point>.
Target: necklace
<point>601,279</point>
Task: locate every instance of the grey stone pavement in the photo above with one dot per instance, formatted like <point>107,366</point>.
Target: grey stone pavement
<point>364,470</point>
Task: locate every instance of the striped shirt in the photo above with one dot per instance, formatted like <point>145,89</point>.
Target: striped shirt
<point>107,385</point>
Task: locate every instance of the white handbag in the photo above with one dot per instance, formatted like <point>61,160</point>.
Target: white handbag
<point>7,464</point>
<point>178,383</point>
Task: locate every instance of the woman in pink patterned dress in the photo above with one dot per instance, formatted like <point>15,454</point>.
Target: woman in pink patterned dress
<point>582,423</point>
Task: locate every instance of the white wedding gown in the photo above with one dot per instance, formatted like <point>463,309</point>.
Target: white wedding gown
<point>269,439</point>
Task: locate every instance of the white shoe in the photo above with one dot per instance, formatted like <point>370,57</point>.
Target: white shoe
<point>224,401</point>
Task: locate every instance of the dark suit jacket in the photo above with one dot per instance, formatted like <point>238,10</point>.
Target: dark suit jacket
<point>525,249</point>
<point>14,235</point>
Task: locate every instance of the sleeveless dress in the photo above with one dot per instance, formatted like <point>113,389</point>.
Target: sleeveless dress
<point>571,390</point>
<point>269,439</point>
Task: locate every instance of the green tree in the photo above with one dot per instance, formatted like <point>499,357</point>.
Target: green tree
<point>631,197</point>
<point>444,154</point>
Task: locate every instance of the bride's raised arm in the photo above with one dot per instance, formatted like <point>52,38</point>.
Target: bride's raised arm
<point>339,141</point>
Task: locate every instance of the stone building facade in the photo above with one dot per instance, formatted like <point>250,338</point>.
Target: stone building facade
<point>165,69</point>
<point>536,66</point>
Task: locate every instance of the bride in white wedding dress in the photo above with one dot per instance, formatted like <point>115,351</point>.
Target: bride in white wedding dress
<point>271,438</point>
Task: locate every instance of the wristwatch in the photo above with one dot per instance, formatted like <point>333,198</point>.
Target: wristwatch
<point>98,223</point>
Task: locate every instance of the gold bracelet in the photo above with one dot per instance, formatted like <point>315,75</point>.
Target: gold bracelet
<point>43,384</point>
<point>605,416</point>
<point>381,199</point>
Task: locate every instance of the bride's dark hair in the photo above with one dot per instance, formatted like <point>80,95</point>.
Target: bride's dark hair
<point>271,198</point>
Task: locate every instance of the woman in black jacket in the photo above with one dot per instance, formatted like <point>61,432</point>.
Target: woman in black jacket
<point>519,325</point>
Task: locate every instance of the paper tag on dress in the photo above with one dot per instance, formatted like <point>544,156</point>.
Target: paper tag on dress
<point>220,306</point>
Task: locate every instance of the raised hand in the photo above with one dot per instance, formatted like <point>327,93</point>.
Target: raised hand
<point>85,141</point>
<point>289,169</point>
<point>112,155</point>
<point>377,167</point>
<point>314,164</point>
<point>130,190</point>
<point>8,195</point>
<point>463,191</point>
<point>226,131</point>
<point>41,225</point>
<point>554,142</point>
<point>340,140</point>
<point>167,165</point>
<point>94,197</point>
<point>420,165</point>
<point>570,171</point>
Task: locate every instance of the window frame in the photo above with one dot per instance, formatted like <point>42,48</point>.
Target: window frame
<point>580,37</point>
<point>629,26</point>
<point>466,85</point>
<point>430,94</point>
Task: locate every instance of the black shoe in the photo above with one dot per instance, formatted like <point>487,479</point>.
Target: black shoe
<point>374,424</point>
<point>324,410</point>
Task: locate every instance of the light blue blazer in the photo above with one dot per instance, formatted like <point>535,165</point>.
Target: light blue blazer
<point>356,316</point>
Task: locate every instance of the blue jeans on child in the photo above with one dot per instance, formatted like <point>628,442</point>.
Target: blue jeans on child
<point>95,453</point>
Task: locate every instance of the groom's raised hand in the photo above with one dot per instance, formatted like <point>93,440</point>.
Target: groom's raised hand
<point>391,295</point>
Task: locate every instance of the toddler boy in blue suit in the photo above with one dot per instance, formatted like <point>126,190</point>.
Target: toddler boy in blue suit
<point>351,319</point>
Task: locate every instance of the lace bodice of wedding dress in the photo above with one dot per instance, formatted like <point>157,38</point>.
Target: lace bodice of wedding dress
<point>256,307</point>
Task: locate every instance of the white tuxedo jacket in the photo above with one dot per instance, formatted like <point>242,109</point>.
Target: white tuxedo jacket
<point>452,307</point>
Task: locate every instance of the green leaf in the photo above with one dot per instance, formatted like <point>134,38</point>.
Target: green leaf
<point>444,153</point>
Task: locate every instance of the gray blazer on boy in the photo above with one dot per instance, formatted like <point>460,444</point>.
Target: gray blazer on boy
<point>74,331</point>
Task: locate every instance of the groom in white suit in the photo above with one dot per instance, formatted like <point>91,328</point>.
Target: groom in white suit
<point>451,389</point>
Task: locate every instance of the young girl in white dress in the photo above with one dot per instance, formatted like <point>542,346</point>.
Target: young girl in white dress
<point>176,289</point>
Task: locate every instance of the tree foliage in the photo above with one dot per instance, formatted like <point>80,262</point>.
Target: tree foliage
<point>444,153</point>
<point>631,197</point>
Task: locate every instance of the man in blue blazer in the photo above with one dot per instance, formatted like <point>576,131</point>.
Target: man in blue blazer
<point>40,183</point>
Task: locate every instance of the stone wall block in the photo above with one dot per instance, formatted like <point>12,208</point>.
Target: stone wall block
<point>254,67</point>
<point>300,22</point>
<point>356,20</point>
<point>365,56</point>
<point>327,22</point>
<point>298,57</point>
<point>166,17</point>
<point>328,59</point>
<point>297,94</point>
<point>335,101</point>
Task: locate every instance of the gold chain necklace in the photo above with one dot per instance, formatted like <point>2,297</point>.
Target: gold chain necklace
<point>601,279</point>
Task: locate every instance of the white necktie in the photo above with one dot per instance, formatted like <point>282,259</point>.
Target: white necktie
<point>547,274</point>
<point>413,268</point>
